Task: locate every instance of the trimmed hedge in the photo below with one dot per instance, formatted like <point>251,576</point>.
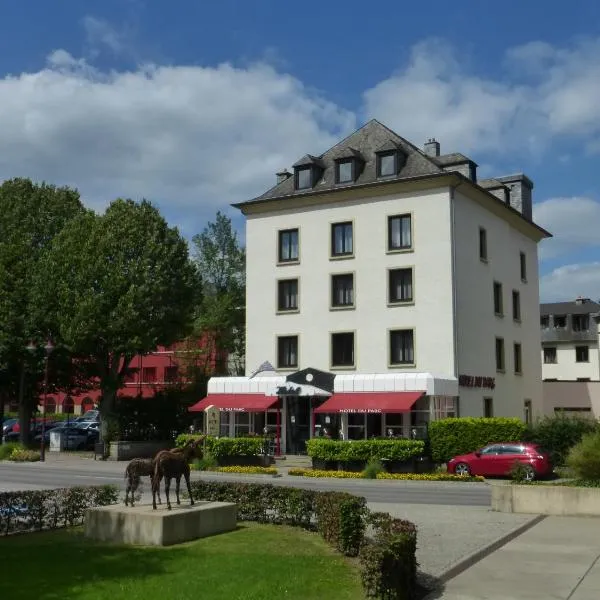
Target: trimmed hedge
<point>387,560</point>
<point>451,437</point>
<point>384,475</point>
<point>22,512</point>
<point>226,446</point>
<point>364,450</point>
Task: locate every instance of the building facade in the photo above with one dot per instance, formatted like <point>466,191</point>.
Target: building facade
<point>571,357</point>
<point>381,260</point>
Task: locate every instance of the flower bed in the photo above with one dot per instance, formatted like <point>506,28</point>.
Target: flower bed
<point>51,509</point>
<point>240,469</point>
<point>387,560</point>
<point>23,455</point>
<point>396,476</point>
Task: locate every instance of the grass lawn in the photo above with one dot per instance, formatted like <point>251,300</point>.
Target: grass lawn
<point>251,563</point>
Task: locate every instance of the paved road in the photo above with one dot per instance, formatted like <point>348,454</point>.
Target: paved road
<point>89,472</point>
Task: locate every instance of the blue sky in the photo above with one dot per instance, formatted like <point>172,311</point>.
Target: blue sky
<point>195,105</point>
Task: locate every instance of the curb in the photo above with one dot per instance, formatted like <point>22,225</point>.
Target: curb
<point>468,561</point>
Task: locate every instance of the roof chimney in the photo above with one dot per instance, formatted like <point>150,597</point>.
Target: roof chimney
<point>283,175</point>
<point>431,147</point>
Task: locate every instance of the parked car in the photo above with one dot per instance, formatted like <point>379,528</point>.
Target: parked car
<point>8,424</point>
<point>498,460</point>
<point>89,415</point>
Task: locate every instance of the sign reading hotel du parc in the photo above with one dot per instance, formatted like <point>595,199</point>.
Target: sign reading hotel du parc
<point>212,414</point>
<point>471,381</point>
<point>362,410</point>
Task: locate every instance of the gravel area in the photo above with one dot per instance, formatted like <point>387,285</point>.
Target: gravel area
<point>448,534</point>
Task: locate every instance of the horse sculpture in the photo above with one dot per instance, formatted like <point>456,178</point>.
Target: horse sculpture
<point>169,464</point>
<point>138,468</point>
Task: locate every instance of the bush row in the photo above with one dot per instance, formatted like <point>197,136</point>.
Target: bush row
<point>451,437</point>
<point>364,450</point>
<point>51,509</point>
<point>224,446</point>
<point>388,559</point>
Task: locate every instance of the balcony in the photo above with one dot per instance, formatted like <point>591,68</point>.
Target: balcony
<point>566,334</point>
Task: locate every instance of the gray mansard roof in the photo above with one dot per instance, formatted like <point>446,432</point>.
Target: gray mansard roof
<point>365,142</point>
<point>587,307</point>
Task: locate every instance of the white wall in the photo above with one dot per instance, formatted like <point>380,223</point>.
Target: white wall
<point>566,368</point>
<point>477,324</point>
<point>431,314</point>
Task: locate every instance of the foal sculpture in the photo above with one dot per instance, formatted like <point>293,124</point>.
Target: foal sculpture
<point>169,464</point>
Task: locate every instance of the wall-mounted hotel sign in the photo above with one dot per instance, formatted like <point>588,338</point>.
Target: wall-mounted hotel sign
<point>471,381</point>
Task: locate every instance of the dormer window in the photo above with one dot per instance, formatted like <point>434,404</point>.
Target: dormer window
<point>390,159</point>
<point>344,171</point>
<point>304,178</point>
<point>386,164</point>
<point>307,172</point>
<point>348,166</point>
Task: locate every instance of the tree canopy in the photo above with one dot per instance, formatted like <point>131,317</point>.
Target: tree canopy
<point>31,215</point>
<point>115,285</point>
<point>221,262</point>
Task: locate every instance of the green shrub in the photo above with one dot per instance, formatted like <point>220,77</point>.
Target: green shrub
<point>8,448</point>
<point>584,458</point>
<point>519,472</point>
<point>206,463</point>
<point>373,468</point>
<point>388,561</point>
<point>558,434</point>
<point>451,437</point>
<point>51,509</point>
<point>23,455</point>
<point>358,450</point>
<point>225,446</point>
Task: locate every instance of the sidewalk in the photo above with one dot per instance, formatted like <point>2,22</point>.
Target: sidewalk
<point>559,558</point>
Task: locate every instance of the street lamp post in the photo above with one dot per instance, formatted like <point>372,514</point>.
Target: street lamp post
<point>48,350</point>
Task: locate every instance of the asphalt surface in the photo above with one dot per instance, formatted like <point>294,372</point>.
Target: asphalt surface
<point>81,471</point>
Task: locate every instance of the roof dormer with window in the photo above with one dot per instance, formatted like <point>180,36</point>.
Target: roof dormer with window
<point>348,166</point>
<point>390,159</point>
<point>307,172</point>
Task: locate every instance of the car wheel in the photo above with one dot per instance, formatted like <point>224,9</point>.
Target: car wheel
<point>528,472</point>
<point>462,469</point>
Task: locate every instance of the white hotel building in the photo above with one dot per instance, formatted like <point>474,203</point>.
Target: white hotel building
<point>387,287</point>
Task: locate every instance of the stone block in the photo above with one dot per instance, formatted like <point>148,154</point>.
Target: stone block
<point>141,525</point>
<point>547,500</point>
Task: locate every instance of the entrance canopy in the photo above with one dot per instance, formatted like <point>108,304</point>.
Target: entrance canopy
<point>236,402</point>
<point>370,402</point>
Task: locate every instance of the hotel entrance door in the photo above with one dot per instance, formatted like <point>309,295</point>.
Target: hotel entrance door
<point>297,424</point>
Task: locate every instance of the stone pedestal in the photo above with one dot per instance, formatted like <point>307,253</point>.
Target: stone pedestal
<point>141,525</point>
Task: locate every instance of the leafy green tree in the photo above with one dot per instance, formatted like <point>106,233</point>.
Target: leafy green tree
<point>31,215</point>
<point>116,285</point>
<point>221,262</point>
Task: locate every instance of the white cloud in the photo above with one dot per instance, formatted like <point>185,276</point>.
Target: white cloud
<point>191,138</point>
<point>195,138</point>
<point>570,281</point>
<point>546,92</point>
<point>574,223</point>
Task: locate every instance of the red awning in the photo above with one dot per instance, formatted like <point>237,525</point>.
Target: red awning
<point>236,402</point>
<point>370,402</point>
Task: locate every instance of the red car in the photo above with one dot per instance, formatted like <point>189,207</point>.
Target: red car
<point>498,459</point>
